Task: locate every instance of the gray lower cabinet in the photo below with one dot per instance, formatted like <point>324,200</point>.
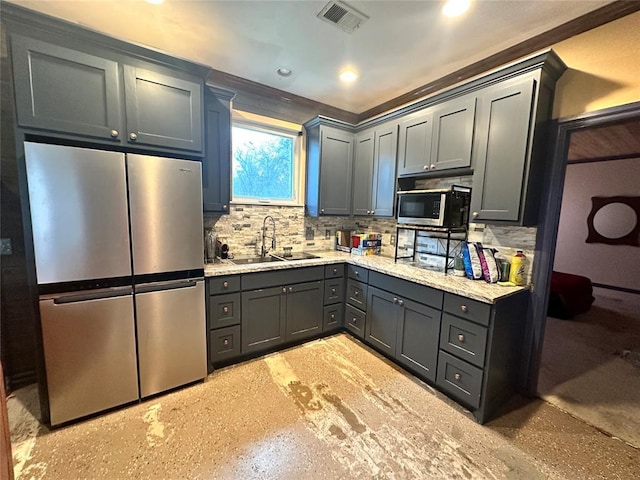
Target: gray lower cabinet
<point>382,320</point>
<point>79,94</point>
<point>288,312</point>
<point>216,166</point>
<point>329,170</point>
<point>224,310</point>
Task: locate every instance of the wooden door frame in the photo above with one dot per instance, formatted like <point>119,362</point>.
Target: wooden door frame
<point>549,219</point>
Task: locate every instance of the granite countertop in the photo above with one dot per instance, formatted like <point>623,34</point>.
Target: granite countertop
<point>474,289</point>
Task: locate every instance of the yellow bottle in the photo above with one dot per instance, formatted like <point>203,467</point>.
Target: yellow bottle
<point>518,267</point>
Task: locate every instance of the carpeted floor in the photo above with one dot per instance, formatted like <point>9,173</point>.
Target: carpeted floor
<point>591,364</point>
<point>330,409</point>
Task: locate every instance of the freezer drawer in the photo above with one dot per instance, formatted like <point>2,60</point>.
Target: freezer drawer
<point>171,330</point>
<point>90,354</point>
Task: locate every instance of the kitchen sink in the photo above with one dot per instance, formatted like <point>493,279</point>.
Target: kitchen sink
<point>296,256</point>
<point>250,260</point>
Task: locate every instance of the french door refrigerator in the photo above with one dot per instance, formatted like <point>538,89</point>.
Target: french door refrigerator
<point>118,252</point>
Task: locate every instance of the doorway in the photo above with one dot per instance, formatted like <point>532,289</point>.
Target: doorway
<point>587,365</point>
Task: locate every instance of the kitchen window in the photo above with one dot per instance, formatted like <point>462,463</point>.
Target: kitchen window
<point>266,165</point>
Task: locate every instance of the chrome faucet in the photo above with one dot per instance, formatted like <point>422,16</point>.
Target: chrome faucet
<point>264,249</point>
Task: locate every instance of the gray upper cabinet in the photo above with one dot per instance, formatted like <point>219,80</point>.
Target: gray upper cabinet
<point>162,110</point>
<point>62,90</point>
<point>216,166</point>
<point>363,172</point>
<point>453,134</point>
<point>102,95</point>
<point>502,150</point>
<point>329,170</point>
<point>374,171</point>
<point>414,143</point>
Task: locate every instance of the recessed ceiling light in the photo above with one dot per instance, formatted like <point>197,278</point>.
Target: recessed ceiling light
<point>155,2</point>
<point>284,72</point>
<point>453,8</point>
<point>348,76</point>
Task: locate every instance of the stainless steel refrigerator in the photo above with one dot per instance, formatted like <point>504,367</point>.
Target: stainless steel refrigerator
<point>118,252</point>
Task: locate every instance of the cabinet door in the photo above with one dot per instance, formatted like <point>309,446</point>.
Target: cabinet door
<point>263,318</point>
<point>304,310</point>
<point>336,149</point>
<point>363,173</point>
<point>453,134</point>
<point>418,333</point>
<point>382,320</point>
<point>384,168</point>
<point>163,111</point>
<point>216,167</point>
<point>414,151</point>
<point>63,90</point>
<point>502,150</point>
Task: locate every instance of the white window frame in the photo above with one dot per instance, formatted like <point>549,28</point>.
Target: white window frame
<point>268,125</point>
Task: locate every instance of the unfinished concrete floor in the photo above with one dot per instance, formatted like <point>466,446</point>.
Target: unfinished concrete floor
<point>330,409</point>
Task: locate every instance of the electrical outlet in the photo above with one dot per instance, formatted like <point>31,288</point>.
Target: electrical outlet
<point>5,246</point>
<point>327,234</point>
<point>308,233</point>
<point>393,240</point>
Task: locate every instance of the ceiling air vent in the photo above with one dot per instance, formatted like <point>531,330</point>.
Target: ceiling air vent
<point>342,16</point>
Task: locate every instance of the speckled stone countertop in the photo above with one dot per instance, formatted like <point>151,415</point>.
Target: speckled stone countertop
<point>474,289</point>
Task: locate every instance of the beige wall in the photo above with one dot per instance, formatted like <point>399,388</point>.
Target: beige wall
<point>604,68</point>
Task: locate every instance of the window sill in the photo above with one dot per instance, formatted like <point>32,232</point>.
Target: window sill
<point>267,203</point>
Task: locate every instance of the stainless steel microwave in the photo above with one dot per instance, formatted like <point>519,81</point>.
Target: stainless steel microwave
<point>435,208</point>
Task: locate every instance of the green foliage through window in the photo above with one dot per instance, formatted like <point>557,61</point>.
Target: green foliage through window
<point>263,164</point>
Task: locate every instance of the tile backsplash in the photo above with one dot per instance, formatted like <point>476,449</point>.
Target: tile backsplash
<point>241,229</point>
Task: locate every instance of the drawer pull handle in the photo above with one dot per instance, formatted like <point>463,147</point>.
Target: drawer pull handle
<point>457,376</point>
<point>464,308</point>
<point>225,309</point>
<point>225,284</point>
<point>225,342</point>
<point>461,337</point>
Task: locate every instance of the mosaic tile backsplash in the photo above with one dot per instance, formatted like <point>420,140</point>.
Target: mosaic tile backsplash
<point>241,229</point>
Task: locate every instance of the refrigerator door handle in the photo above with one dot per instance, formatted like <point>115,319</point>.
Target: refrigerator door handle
<point>172,285</point>
<point>86,295</point>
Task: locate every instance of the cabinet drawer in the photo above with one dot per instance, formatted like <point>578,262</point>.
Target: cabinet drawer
<point>357,294</point>
<point>405,289</point>
<point>333,291</point>
<point>333,315</point>
<point>460,379</point>
<point>334,271</point>
<point>224,344</point>
<point>355,321</point>
<point>466,308</point>
<point>225,284</point>
<point>358,273</point>
<point>463,339</point>
<point>224,310</point>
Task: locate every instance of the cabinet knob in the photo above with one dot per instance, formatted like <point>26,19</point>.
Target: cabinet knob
<point>373,212</point>
<point>225,284</point>
<point>401,302</point>
<point>333,290</point>
<point>322,210</point>
<point>290,289</point>
<point>114,133</point>
<point>225,309</point>
<point>224,207</point>
<point>284,289</point>
<point>395,300</point>
<point>356,293</point>
<point>457,376</point>
<point>461,337</point>
<point>356,273</point>
<point>225,342</point>
<point>464,308</point>
<point>474,214</point>
<point>433,167</point>
<point>133,136</point>
<point>354,320</point>
<point>426,167</point>
<point>335,270</point>
<point>333,315</point>
<point>368,212</point>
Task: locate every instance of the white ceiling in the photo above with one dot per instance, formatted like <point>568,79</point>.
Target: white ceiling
<point>403,45</point>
